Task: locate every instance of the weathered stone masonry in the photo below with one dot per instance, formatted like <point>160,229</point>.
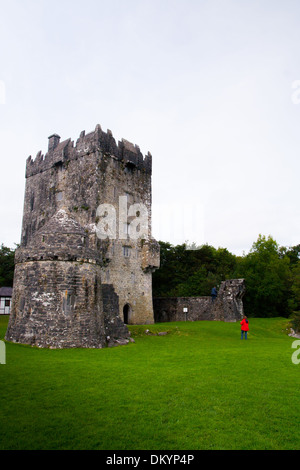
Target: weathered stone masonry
<point>227,307</point>
<point>72,289</point>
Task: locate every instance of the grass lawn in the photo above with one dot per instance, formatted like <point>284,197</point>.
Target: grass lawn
<point>198,387</point>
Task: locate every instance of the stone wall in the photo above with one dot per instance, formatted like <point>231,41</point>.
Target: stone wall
<point>57,304</point>
<point>227,307</point>
<point>114,327</point>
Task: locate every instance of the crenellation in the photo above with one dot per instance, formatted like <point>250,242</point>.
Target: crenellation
<point>129,146</point>
<point>87,144</point>
<point>43,163</point>
<point>39,157</point>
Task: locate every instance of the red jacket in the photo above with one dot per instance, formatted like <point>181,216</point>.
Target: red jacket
<point>245,325</point>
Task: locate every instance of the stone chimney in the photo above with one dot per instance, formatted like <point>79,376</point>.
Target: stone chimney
<point>53,141</point>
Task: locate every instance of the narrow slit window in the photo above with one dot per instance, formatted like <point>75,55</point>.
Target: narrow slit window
<point>126,251</point>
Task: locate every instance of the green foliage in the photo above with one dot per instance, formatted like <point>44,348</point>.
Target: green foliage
<point>295,321</point>
<point>271,273</point>
<point>7,257</point>
<point>296,286</point>
<point>295,298</point>
<point>268,279</point>
<point>173,269</point>
<point>185,272</point>
<point>293,253</point>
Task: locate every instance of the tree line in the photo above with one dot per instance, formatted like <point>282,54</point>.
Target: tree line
<point>271,273</point>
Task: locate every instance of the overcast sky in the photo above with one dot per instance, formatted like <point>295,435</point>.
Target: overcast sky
<point>205,85</point>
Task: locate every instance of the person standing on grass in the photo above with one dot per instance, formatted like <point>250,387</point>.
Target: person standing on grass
<point>244,327</point>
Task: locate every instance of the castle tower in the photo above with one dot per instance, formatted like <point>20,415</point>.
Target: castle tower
<point>85,262</point>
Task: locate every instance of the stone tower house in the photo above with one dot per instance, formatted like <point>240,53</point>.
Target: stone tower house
<point>84,266</point>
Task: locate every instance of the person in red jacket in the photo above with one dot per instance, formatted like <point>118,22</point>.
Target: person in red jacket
<point>244,327</point>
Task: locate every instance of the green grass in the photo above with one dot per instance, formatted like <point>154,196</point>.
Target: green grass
<point>198,387</point>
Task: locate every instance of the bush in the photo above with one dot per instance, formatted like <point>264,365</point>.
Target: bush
<point>295,321</point>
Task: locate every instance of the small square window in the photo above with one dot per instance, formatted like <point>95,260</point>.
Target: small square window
<point>126,251</point>
<point>59,196</point>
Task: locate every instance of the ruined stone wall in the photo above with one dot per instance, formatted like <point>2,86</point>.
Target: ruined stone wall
<point>172,309</point>
<point>229,303</point>
<point>227,307</point>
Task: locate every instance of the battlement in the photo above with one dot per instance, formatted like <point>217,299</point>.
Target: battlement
<point>60,152</point>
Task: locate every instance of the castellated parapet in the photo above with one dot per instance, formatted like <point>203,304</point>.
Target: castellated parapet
<point>73,288</point>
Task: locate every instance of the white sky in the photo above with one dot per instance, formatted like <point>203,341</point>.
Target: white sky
<point>204,85</point>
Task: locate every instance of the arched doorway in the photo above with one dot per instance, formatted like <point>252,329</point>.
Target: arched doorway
<point>126,313</point>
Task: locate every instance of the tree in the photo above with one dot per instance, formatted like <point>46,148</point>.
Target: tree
<point>198,284</point>
<point>295,300</point>
<point>296,286</point>
<point>271,273</point>
<point>293,253</point>
<point>225,263</point>
<point>191,272</point>
<point>268,279</point>
<point>172,271</point>
<point>7,261</point>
